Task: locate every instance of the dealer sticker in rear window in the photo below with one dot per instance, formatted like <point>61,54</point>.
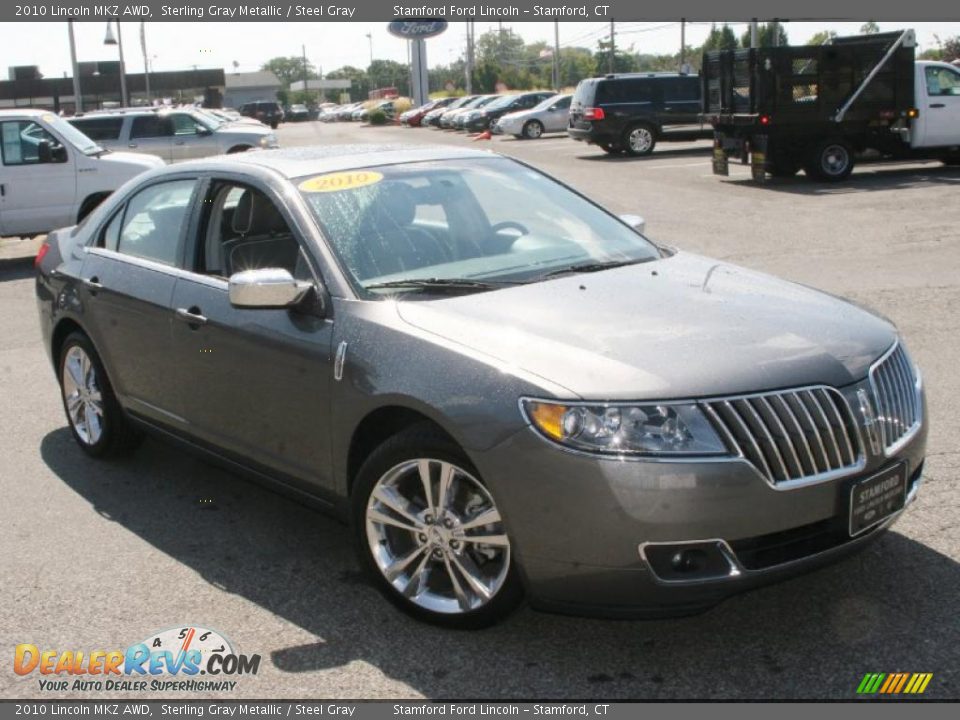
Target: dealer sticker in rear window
<point>338,182</point>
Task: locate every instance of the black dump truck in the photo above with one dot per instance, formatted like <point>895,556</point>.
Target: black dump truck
<point>820,107</point>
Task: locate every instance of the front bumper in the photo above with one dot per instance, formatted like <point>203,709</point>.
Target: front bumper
<point>579,524</point>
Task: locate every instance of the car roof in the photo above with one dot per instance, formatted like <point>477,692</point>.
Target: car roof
<point>321,159</point>
<point>25,112</point>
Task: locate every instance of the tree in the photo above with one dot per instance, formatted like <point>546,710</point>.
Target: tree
<point>821,37</point>
<point>623,62</point>
<point>765,35</point>
<point>869,28</point>
<point>290,69</point>
<point>359,82</point>
<point>387,73</point>
<point>721,39</point>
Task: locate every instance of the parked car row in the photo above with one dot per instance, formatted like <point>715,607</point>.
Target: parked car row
<point>525,115</point>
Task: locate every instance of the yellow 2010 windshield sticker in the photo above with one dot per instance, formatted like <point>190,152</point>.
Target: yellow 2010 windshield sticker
<point>338,182</point>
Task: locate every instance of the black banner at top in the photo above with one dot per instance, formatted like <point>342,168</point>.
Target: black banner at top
<point>493,10</point>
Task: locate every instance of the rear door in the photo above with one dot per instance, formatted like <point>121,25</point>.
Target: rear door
<point>680,113</point>
<point>555,119</point>
<point>128,278</point>
<point>35,196</point>
<point>152,134</point>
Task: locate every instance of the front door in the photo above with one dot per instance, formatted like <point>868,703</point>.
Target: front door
<point>37,193</point>
<point>941,112</point>
<point>128,278</point>
<point>253,382</point>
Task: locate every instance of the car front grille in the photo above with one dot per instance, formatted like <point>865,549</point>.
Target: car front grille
<point>791,436</point>
<point>897,397</point>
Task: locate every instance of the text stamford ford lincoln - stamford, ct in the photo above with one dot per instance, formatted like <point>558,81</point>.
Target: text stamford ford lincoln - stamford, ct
<point>505,398</point>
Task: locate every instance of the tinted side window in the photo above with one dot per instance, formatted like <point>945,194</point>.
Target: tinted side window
<point>586,91</point>
<point>150,126</point>
<point>100,128</point>
<point>681,90</point>
<point>626,91</point>
<point>154,221</point>
<point>183,124</point>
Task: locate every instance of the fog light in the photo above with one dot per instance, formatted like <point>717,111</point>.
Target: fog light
<point>692,560</point>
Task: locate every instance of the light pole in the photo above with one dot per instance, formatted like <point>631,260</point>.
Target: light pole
<point>370,38</point>
<point>77,98</point>
<point>146,62</point>
<point>118,41</point>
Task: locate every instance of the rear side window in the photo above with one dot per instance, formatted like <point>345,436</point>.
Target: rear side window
<point>585,92</point>
<point>150,126</point>
<point>625,91</point>
<point>99,128</point>
<point>681,89</point>
<point>154,220</point>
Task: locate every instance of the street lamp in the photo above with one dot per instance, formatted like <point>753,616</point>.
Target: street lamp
<point>370,38</point>
<point>118,41</point>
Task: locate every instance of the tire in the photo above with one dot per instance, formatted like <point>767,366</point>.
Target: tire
<point>532,130</point>
<point>274,124</point>
<point>97,422</point>
<point>433,559</point>
<point>951,160</point>
<point>639,140</point>
<point>830,161</point>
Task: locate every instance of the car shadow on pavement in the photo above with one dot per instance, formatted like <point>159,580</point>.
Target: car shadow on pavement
<point>657,154</point>
<point>866,179</point>
<point>892,608</point>
<point>16,271</point>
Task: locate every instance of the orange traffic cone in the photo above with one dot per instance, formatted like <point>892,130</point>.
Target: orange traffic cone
<point>485,135</point>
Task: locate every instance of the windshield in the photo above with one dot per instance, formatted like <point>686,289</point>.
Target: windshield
<point>460,220</point>
<point>71,135</point>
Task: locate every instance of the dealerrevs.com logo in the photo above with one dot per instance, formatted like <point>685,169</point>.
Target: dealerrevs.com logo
<point>188,658</point>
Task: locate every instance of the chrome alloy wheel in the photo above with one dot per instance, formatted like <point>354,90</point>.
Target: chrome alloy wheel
<point>437,536</point>
<point>640,139</point>
<point>834,160</point>
<point>82,396</point>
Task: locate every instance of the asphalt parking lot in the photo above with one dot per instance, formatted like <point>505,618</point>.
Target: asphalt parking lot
<point>101,555</point>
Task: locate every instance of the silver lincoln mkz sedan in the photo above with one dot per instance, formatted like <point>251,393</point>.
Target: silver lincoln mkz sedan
<point>507,390</point>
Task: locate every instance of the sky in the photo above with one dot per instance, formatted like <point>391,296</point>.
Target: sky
<point>181,45</point>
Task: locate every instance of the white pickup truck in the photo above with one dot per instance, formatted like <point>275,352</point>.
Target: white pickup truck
<point>820,107</point>
<point>52,175</point>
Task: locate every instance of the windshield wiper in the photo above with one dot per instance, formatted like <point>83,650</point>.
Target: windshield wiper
<point>453,284</point>
<point>592,267</point>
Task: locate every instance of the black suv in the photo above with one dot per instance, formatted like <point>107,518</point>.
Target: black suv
<point>484,118</point>
<point>631,112</point>
<point>268,112</point>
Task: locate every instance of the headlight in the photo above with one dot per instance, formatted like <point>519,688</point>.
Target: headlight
<point>624,429</point>
<point>268,141</point>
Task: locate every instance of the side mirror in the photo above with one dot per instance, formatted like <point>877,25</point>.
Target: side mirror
<point>203,130</point>
<point>635,221</point>
<point>44,152</point>
<point>267,288</point>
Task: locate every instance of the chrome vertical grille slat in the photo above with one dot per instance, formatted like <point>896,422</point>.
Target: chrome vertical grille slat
<point>896,394</point>
<point>792,436</point>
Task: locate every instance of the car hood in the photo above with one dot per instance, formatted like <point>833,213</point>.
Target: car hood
<point>244,129</point>
<point>682,327</point>
<point>125,160</point>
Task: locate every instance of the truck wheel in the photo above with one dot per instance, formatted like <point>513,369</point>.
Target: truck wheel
<point>90,204</point>
<point>830,161</point>
<point>639,140</point>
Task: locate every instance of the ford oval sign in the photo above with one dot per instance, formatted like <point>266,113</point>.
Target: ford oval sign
<point>417,28</point>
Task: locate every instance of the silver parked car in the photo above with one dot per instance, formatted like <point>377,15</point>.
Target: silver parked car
<point>504,398</point>
<point>173,135</point>
<point>550,116</point>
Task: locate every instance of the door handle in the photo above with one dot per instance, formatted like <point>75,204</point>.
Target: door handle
<point>191,317</point>
<point>3,190</point>
<point>937,105</point>
<point>132,145</point>
<point>93,284</point>
<point>179,142</point>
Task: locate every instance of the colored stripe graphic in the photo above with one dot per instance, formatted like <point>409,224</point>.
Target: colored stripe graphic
<point>894,683</point>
